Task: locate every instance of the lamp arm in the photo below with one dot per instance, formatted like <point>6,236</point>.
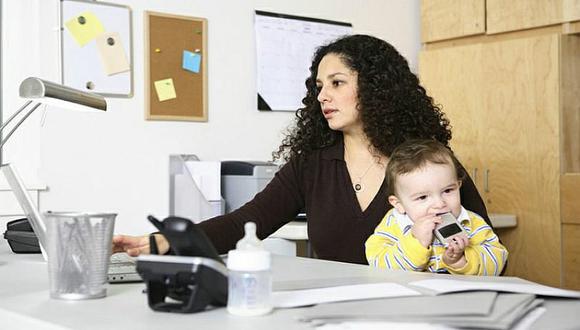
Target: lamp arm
<point>18,123</point>
<point>14,115</point>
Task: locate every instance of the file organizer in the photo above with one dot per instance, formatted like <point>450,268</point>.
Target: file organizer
<point>186,198</point>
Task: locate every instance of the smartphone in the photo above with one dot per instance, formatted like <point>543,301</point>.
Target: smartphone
<point>448,228</point>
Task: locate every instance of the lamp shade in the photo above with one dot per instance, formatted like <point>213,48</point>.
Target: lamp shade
<point>43,91</point>
<point>32,88</point>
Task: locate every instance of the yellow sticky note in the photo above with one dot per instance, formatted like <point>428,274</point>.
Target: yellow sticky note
<point>165,89</point>
<point>84,27</point>
<point>112,53</point>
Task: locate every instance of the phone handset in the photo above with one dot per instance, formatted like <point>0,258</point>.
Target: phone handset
<point>185,237</point>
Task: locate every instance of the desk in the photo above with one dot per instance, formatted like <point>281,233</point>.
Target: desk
<point>24,290</point>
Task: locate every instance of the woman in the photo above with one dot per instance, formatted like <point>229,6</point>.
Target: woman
<point>362,102</point>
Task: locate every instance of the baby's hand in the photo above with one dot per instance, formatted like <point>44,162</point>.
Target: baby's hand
<point>423,229</point>
<point>454,254</point>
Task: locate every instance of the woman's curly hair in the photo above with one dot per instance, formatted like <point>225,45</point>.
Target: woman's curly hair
<point>393,106</point>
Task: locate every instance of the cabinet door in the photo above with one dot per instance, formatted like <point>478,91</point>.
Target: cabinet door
<point>503,16</point>
<point>521,150</point>
<point>448,19</point>
<point>453,76</point>
<point>571,253</point>
<point>502,100</point>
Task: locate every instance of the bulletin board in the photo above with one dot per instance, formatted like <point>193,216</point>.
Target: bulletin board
<point>176,65</point>
<point>96,47</point>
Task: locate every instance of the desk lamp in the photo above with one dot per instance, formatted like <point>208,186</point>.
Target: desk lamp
<point>40,91</point>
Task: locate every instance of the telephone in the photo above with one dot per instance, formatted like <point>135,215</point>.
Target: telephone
<point>449,228</point>
<point>194,278</point>
<point>21,237</point>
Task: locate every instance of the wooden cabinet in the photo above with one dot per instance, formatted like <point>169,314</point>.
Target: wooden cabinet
<point>457,19</point>
<point>505,100</point>
<point>571,255</point>
<point>513,15</point>
<point>447,19</point>
<point>570,192</point>
<point>513,100</point>
<point>521,150</point>
<point>570,189</point>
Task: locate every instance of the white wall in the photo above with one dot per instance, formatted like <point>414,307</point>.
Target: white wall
<point>118,162</point>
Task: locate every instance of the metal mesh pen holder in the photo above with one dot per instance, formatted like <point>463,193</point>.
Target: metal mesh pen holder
<point>79,248</point>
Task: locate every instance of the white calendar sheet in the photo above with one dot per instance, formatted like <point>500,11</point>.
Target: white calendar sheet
<point>284,48</point>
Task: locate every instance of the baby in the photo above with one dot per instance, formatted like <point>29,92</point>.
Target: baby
<point>423,182</point>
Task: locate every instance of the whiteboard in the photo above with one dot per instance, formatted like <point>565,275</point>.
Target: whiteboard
<point>285,45</point>
<point>82,67</point>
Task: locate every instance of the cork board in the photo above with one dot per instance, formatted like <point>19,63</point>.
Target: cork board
<point>175,87</point>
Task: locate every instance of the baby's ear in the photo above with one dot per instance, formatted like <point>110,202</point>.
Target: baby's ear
<point>393,200</point>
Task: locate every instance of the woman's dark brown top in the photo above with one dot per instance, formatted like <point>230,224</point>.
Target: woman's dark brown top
<point>321,185</point>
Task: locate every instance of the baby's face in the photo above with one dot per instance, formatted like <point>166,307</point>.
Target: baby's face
<point>430,190</point>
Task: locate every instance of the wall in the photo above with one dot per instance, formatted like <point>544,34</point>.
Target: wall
<point>118,162</point>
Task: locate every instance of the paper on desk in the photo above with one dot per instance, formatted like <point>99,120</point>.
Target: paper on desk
<point>529,319</point>
<point>418,308</point>
<point>315,283</point>
<point>296,298</point>
<point>446,286</point>
<point>506,309</point>
<point>369,325</point>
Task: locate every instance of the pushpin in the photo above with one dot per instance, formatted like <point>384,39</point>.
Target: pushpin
<point>157,50</point>
<point>81,20</point>
<point>197,50</point>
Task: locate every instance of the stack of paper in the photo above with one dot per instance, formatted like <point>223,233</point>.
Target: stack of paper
<point>477,310</point>
<point>306,297</point>
<point>447,286</point>
<point>457,302</point>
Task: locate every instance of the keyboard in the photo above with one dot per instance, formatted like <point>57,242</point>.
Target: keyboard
<point>122,268</point>
<point>122,258</point>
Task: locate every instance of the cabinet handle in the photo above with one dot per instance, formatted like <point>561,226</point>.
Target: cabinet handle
<point>474,176</point>
<point>486,180</point>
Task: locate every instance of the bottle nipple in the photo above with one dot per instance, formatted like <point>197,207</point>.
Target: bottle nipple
<point>250,240</point>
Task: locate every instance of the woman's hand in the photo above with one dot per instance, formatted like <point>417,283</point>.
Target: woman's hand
<point>136,245</point>
<point>454,255</point>
<point>423,229</point>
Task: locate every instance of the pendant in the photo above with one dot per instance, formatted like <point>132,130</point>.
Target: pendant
<point>358,187</point>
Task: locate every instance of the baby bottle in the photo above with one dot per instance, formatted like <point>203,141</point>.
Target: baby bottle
<point>249,279</point>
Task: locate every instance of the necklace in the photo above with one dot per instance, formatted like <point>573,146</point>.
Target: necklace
<point>357,184</point>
